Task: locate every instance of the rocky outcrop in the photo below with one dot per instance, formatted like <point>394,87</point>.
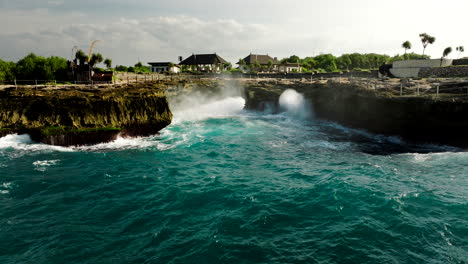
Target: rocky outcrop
<point>444,72</point>
<point>71,116</point>
<point>419,119</point>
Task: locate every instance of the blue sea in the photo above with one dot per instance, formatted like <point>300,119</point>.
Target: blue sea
<point>226,185</point>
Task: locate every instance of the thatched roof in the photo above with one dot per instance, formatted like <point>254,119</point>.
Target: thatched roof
<point>198,59</point>
<point>262,59</point>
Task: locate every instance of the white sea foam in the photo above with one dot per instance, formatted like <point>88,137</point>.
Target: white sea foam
<point>41,165</point>
<point>197,111</point>
<point>26,145</point>
<point>6,187</point>
<point>295,104</point>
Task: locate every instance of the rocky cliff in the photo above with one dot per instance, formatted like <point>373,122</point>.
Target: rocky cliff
<point>73,116</point>
<point>424,119</point>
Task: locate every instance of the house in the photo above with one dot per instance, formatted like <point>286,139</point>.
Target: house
<point>287,67</point>
<point>205,62</point>
<point>262,62</point>
<point>161,67</point>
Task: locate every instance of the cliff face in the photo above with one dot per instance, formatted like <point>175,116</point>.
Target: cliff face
<point>418,119</point>
<point>77,117</point>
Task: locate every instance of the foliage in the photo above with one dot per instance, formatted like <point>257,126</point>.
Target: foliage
<point>446,52</point>
<point>34,67</point>
<point>96,58</point>
<point>292,59</point>
<point>139,68</point>
<point>348,62</point>
<point>406,45</point>
<point>460,49</point>
<point>426,40</point>
<point>108,63</point>
<point>7,70</point>
<point>227,65</point>
<point>81,56</point>
<point>121,68</point>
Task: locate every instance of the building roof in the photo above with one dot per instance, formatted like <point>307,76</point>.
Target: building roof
<point>197,59</point>
<point>262,59</point>
<point>162,64</point>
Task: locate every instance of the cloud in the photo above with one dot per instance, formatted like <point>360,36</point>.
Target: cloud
<point>56,2</point>
<point>127,40</point>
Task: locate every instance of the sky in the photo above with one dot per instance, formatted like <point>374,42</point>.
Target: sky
<point>162,30</point>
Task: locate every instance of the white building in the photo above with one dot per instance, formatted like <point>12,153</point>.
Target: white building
<point>288,67</point>
<point>161,67</point>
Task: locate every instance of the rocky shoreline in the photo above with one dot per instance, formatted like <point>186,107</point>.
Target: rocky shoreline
<point>423,111</point>
<point>82,116</point>
<point>423,118</point>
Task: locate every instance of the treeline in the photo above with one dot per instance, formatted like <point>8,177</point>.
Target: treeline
<point>33,67</point>
<point>137,68</point>
<point>348,62</point>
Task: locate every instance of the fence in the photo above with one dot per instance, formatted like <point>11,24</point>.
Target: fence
<point>421,89</point>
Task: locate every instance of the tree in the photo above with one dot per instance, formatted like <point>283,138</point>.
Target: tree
<point>270,65</point>
<point>108,63</point>
<point>326,62</point>
<point>121,68</point>
<point>460,49</point>
<point>256,65</point>
<point>426,40</point>
<point>95,59</point>
<point>407,46</point>
<point>81,56</point>
<point>446,52</point>
<point>7,70</point>
<point>138,64</point>
<point>227,66</point>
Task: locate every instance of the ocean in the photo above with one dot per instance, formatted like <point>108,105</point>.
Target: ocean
<point>226,185</point>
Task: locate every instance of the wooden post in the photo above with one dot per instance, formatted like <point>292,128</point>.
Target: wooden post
<point>418,89</point>
<point>16,86</point>
<point>36,84</point>
<point>55,81</point>
<point>136,78</point>
<point>127,80</point>
<point>145,77</point>
<point>401,89</point>
<point>437,91</point>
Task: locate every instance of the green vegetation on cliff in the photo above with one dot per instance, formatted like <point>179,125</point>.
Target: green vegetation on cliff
<point>72,116</point>
<point>33,67</point>
<point>348,62</point>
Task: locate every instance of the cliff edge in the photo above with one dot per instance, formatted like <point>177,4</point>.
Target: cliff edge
<point>73,116</point>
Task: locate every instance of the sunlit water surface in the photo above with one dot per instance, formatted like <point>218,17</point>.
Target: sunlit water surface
<point>225,185</point>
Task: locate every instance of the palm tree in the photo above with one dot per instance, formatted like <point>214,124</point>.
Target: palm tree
<point>108,63</point>
<point>81,56</point>
<point>426,40</point>
<point>460,49</point>
<point>96,58</point>
<point>446,52</point>
<point>406,45</point>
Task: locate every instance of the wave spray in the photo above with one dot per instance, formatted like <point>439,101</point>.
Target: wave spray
<point>294,104</point>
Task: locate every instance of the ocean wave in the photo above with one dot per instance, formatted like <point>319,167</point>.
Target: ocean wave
<point>25,145</point>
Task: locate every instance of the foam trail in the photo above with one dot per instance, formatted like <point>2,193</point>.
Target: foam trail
<point>294,104</point>
<point>24,143</point>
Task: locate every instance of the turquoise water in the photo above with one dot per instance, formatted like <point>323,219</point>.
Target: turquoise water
<point>225,185</point>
